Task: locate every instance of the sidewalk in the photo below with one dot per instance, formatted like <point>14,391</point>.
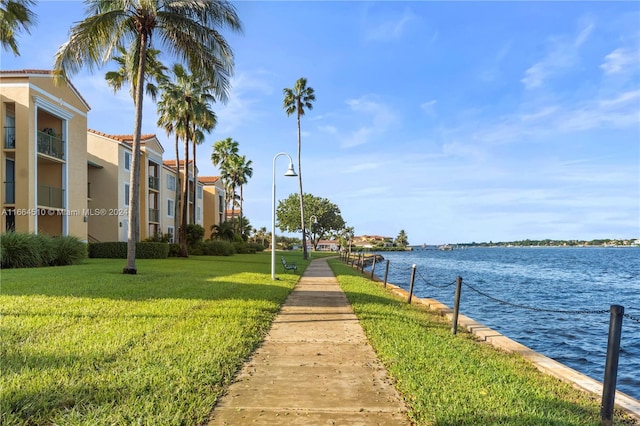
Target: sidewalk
<point>315,366</point>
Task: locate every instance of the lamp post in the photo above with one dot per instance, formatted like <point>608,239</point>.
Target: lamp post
<point>315,220</point>
<point>292,173</point>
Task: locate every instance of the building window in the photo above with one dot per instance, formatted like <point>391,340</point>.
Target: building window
<point>126,194</point>
<point>171,183</point>
<point>170,232</point>
<point>170,208</point>
<point>127,160</point>
<point>198,214</point>
<point>199,193</point>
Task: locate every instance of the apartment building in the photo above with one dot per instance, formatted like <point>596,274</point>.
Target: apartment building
<point>195,208</point>
<point>44,154</point>
<point>212,203</point>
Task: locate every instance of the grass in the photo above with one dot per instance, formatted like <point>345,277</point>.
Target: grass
<point>87,345</point>
<point>455,380</point>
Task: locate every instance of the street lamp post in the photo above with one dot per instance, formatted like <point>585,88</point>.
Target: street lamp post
<point>290,172</point>
<point>315,220</point>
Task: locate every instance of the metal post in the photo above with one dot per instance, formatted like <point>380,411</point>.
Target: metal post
<point>373,266</point>
<point>413,278</point>
<point>611,365</point>
<point>386,273</point>
<point>456,306</point>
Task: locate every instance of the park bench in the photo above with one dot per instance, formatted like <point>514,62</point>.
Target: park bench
<point>288,266</point>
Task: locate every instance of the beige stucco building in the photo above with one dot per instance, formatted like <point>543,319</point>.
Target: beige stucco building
<point>212,203</point>
<point>44,154</point>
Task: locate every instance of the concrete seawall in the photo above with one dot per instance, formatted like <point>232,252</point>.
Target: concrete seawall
<point>543,363</point>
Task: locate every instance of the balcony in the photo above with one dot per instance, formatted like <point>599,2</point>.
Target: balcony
<point>50,145</point>
<point>154,215</point>
<point>154,183</point>
<point>49,196</point>
<point>10,192</point>
<point>10,137</point>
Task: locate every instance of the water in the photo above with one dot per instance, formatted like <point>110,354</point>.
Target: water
<point>561,279</point>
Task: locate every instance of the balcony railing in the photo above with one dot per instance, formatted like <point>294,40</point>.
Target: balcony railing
<point>154,183</point>
<point>10,137</point>
<point>50,197</point>
<point>154,215</point>
<point>50,145</point>
<point>10,192</point>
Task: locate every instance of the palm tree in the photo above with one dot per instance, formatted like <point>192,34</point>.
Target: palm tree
<point>187,28</point>
<point>401,239</point>
<point>128,70</point>
<point>223,151</point>
<point>15,16</point>
<point>295,101</point>
<point>239,171</point>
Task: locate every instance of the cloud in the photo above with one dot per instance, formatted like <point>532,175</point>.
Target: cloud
<point>390,28</point>
<point>378,116</point>
<point>562,55</point>
<point>619,61</point>
<point>429,107</point>
<point>246,89</point>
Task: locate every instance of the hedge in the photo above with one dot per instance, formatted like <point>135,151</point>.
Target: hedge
<point>118,250</point>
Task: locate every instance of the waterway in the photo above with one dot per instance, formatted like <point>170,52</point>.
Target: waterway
<point>583,279</point>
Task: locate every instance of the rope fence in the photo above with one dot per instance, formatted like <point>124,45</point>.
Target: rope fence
<point>360,261</point>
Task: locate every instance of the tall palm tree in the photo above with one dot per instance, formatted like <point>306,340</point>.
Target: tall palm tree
<point>204,120</point>
<point>128,70</point>
<point>295,101</point>
<point>187,28</point>
<point>239,170</point>
<point>223,151</point>
<point>15,16</point>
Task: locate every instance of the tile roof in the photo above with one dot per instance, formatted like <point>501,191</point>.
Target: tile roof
<point>128,139</point>
<point>207,179</point>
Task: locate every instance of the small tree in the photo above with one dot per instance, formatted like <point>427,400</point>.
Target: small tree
<point>328,216</point>
<point>402,240</point>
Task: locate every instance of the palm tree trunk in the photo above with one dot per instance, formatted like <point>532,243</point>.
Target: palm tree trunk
<point>176,204</point>
<point>241,215</point>
<point>184,249</point>
<point>134,181</point>
<point>195,178</point>
<point>304,239</point>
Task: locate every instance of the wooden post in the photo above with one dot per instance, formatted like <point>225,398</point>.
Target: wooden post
<point>386,274</point>
<point>373,266</point>
<point>611,365</point>
<point>413,278</point>
<point>456,306</point>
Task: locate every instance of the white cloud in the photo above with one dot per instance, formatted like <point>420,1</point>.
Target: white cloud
<point>619,60</point>
<point>390,28</point>
<point>246,89</point>
<point>562,55</point>
<point>429,107</point>
<point>377,115</point>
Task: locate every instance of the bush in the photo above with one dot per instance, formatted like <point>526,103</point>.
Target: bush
<point>146,250</point>
<point>174,250</point>
<point>67,251</point>
<point>22,250</point>
<point>216,248</point>
<point>195,233</point>
<point>118,250</point>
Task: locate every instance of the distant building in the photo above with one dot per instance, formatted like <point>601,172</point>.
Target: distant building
<point>370,241</point>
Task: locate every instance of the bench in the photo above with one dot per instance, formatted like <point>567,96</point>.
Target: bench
<point>288,266</point>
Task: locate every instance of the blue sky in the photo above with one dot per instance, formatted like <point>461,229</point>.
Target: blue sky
<point>455,121</point>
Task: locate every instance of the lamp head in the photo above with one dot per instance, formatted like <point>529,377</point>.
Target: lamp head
<point>291,171</point>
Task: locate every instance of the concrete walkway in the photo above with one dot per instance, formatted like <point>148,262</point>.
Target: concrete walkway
<point>315,367</point>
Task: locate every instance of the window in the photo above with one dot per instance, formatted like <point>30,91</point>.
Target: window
<point>171,183</point>
<point>198,214</point>
<point>170,232</point>
<point>170,208</point>
<point>199,193</point>
<point>126,194</point>
<point>127,160</point>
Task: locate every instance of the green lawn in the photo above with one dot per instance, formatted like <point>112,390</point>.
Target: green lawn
<point>455,380</point>
<point>87,345</point>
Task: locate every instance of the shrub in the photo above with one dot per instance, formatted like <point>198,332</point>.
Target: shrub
<point>22,250</point>
<point>67,250</point>
<point>146,250</point>
<point>216,248</point>
<point>118,250</point>
<point>195,233</point>
<point>174,250</point>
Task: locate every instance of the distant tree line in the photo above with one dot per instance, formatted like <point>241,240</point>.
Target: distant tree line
<point>554,243</point>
